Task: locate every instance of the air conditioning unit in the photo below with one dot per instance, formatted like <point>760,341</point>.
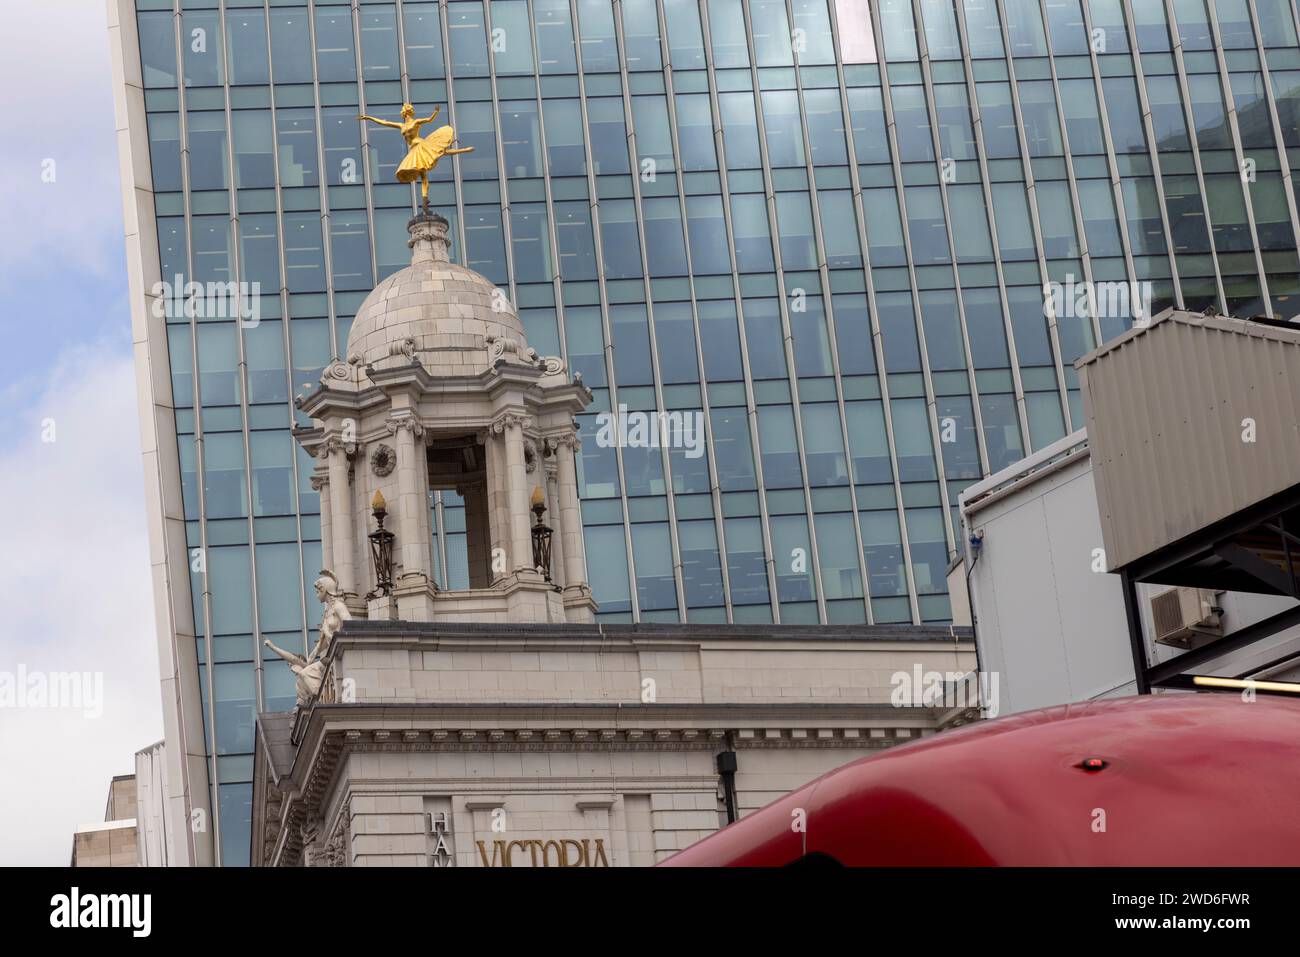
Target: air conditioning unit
<point>1186,617</point>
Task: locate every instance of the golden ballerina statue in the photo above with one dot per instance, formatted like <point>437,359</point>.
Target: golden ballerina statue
<point>422,153</point>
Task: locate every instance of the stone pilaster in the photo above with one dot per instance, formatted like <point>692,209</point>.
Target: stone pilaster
<point>342,518</point>
<point>412,497</point>
<point>517,494</point>
<point>558,572</point>
<point>320,484</point>
<point>577,595</point>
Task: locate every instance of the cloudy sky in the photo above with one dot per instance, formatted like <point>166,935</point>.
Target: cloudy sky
<point>74,578</point>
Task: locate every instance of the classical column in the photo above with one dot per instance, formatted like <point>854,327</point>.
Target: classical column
<point>341,517</point>
<point>412,498</point>
<point>570,519</point>
<point>320,484</point>
<point>517,491</point>
<point>497,507</point>
<point>556,521</point>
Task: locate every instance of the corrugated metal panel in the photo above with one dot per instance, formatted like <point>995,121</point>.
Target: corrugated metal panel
<point>1165,408</point>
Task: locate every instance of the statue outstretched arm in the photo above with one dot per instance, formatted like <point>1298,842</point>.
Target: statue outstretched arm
<point>431,117</point>
<point>375,119</point>
<point>288,656</point>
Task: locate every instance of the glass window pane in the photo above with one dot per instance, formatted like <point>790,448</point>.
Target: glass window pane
<point>379,59</point>
<point>783,127</point>
<point>468,39</point>
<point>577,248</point>
<point>607,567</point>
<point>941,37</point>
<point>641,34</point>
<point>291,59</point>
<point>157,32</point>
<point>1041,124</point>
<point>746,562</point>
<point>685,38</point>
<point>708,235</point>
<point>555,48</point>
<point>335,59</point>
<point>883,550</point>
<point>530,241</point>
<point>739,130</point>
<point>720,338</point>
<point>512,37</point>
<point>753,241</point>
<point>899,28</point>
<point>246,56</point>
<point>608,132</point>
<point>1025,27</point>
<point>867,115</point>
<point>727,34</point>
<point>619,241</point>
<point>596,25</point>
<point>868,442</point>
<point>732,449</point>
<point>823,444</point>
<point>983,30</point>
<point>701,563</point>
<point>566,152</point>
<point>422,34</point>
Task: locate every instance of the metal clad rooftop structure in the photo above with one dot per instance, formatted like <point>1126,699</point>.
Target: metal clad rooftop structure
<point>1170,408</point>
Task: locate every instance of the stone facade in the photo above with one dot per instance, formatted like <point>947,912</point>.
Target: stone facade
<point>552,745</point>
<point>114,842</point>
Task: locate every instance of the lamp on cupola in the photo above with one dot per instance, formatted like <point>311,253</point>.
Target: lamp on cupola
<point>541,536</point>
<point>381,548</point>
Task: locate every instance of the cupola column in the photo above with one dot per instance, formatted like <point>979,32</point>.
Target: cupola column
<point>517,492</point>
<point>575,559</point>
<point>412,541</point>
<point>558,570</point>
<point>342,520</point>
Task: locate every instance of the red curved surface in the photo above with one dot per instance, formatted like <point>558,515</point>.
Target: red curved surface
<point>1190,780</point>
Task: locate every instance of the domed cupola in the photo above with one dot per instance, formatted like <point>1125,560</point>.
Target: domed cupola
<point>439,391</point>
<point>444,312</point>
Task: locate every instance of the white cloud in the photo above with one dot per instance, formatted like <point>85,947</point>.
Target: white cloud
<point>74,583</point>
<point>54,64</point>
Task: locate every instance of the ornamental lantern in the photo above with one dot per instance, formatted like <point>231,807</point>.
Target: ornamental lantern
<point>381,549</point>
<point>541,536</point>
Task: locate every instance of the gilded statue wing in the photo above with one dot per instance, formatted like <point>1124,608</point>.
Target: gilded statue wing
<point>440,139</point>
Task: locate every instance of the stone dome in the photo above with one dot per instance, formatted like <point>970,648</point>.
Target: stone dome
<point>448,311</point>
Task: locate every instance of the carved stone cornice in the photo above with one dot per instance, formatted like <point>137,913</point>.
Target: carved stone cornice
<point>560,440</point>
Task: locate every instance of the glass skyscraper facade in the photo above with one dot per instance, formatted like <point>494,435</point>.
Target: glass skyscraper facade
<point>827,226</point>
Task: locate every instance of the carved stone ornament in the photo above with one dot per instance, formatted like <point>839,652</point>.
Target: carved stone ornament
<point>551,365</point>
<point>318,482</point>
<point>404,347</point>
<point>337,444</point>
<point>383,460</point>
<point>404,422</point>
<point>498,346</point>
<point>508,420</point>
<point>340,370</point>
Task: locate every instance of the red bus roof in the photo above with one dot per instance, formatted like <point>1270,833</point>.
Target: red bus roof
<point>1188,780</point>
